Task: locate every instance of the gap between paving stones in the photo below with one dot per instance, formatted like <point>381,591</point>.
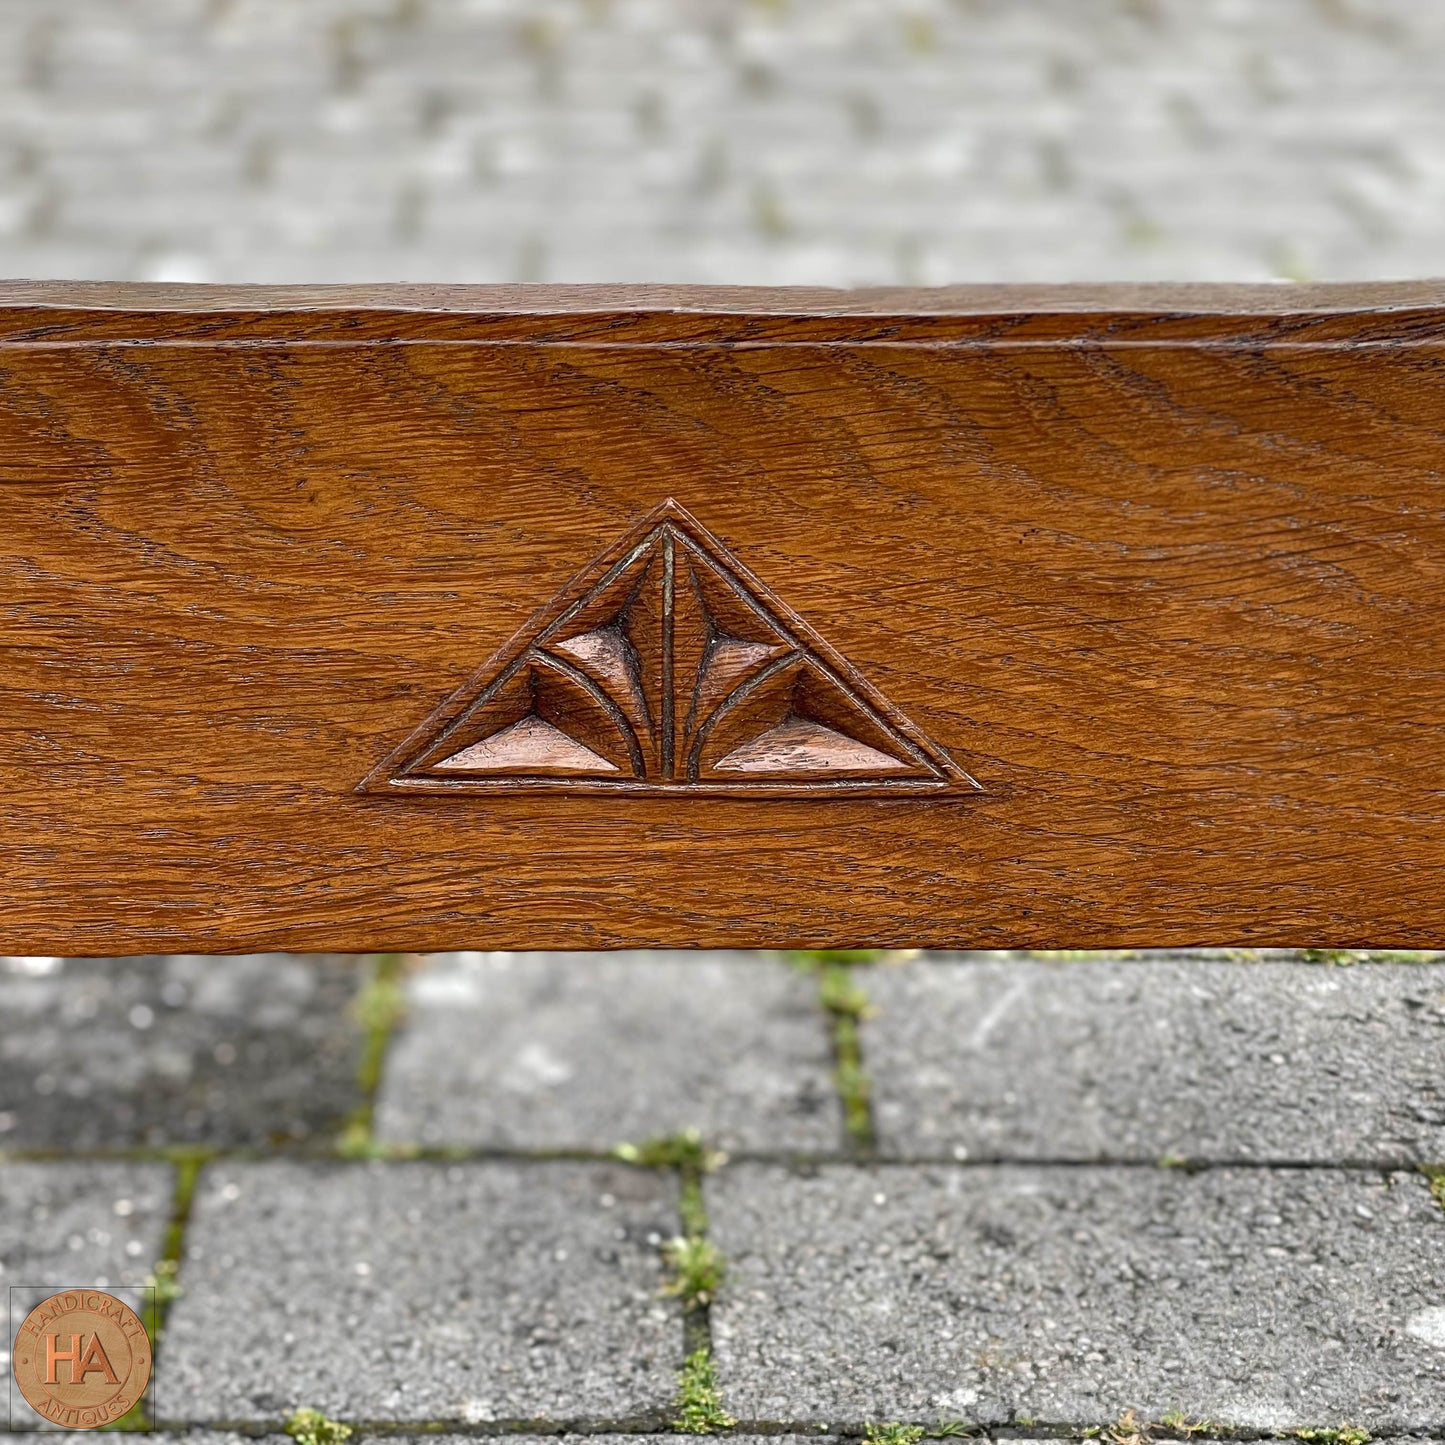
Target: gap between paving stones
<point>845,1005</point>
<point>401,1154</point>
<point>642,1428</point>
<point>774,1429</point>
<point>378,1008</point>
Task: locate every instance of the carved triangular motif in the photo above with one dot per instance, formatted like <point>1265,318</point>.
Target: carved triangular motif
<point>666,667</point>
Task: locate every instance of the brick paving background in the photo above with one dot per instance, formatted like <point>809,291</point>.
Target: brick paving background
<point>1009,1197</point>
<point>1016,1195</point>
<point>754,141</point>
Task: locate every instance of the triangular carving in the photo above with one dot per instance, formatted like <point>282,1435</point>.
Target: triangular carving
<point>666,667</point>
<point>531,746</point>
<point>800,745</point>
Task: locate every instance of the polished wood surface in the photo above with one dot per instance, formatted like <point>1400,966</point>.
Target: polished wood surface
<point>1150,584</point>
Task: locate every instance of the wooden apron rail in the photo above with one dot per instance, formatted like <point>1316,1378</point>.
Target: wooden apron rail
<point>423,618</point>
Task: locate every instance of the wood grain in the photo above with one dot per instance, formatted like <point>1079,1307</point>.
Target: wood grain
<point>1161,570</point>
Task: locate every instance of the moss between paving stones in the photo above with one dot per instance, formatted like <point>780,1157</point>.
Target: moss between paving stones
<point>696,1268</point>
<point>1435,1173</point>
<point>699,1401</point>
<point>311,1427</point>
<point>846,1005</point>
<point>379,1009</point>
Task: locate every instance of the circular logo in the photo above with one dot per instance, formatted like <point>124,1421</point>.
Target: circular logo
<point>82,1358</point>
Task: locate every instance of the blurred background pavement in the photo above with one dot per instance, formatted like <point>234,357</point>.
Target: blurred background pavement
<point>836,142</point>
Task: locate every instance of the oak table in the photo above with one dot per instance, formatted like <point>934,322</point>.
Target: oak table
<point>557,617</point>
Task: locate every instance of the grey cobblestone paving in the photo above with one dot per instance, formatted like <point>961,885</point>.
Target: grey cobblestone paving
<point>831,143</point>
<point>104,1052</point>
<point>424,1291</point>
<point>72,1223</point>
<point>1202,1059</point>
<point>586,1051</point>
<point>1256,1298</point>
<point>487,1292</point>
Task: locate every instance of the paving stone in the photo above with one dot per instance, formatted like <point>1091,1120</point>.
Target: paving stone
<point>1258,1298</point>
<point>1204,1059</point>
<point>73,1223</point>
<point>424,1291</point>
<point>587,1050</point>
<point>112,1052</point>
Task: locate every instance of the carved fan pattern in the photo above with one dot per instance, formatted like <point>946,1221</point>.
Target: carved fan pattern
<point>667,668</point>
